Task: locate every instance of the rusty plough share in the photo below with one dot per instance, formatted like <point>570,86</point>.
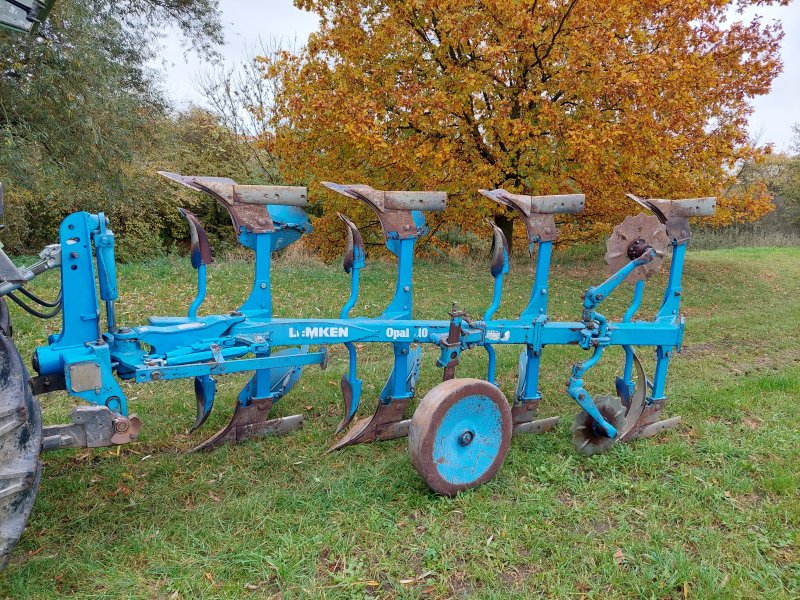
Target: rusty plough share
<point>459,434</point>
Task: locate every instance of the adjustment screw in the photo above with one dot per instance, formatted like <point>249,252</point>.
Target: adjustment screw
<point>155,375</point>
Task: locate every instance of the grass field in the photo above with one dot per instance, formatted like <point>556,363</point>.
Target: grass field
<point>710,510</point>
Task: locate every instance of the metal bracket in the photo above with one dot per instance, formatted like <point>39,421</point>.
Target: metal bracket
<point>92,427</point>
<point>537,211</point>
<point>393,209</point>
<point>43,384</point>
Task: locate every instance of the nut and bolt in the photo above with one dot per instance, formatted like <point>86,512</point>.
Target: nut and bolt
<point>465,439</point>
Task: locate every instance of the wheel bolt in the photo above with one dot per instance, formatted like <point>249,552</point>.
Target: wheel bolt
<point>465,439</point>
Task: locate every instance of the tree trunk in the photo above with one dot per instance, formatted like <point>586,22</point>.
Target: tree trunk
<point>505,222</point>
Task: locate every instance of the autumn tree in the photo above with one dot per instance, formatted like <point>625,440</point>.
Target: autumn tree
<point>780,174</point>
<point>540,96</point>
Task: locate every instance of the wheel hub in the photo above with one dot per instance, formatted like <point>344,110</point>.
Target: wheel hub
<point>465,439</point>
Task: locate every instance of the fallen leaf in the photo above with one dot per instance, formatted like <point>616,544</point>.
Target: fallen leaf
<point>619,557</point>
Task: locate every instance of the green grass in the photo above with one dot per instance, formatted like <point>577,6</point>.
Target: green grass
<point>709,510</point>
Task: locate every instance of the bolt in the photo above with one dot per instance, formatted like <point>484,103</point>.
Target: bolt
<point>465,439</point>
<point>124,330</point>
<point>121,425</point>
<point>155,375</point>
<point>407,288</point>
<point>581,396</point>
<point>236,313</point>
<point>544,291</point>
<point>74,255</point>
<point>263,285</point>
<point>404,351</point>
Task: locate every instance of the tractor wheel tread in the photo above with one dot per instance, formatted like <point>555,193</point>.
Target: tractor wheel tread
<point>20,447</point>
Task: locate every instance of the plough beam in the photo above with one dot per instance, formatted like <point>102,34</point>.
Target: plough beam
<point>460,432</point>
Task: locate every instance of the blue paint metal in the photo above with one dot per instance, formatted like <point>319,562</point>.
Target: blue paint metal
<point>625,384</point>
<point>246,340</point>
<point>201,292</point>
<point>468,439</point>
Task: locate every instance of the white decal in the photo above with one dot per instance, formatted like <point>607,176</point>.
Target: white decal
<point>496,336</point>
<point>319,332</point>
<point>396,334</point>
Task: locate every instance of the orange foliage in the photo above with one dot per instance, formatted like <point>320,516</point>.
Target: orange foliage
<point>540,96</point>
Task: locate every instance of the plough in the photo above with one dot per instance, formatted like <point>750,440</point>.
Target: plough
<point>460,432</point>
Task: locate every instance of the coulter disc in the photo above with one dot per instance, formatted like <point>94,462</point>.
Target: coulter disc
<point>641,227</point>
<point>587,437</point>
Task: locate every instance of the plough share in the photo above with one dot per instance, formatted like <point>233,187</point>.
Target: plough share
<point>460,432</point>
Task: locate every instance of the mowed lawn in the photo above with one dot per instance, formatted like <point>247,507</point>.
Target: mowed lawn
<point>710,510</point>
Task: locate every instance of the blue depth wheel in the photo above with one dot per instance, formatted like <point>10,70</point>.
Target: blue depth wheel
<point>459,435</point>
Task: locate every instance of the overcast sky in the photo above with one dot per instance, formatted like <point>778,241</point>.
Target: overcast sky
<point>248,21</point>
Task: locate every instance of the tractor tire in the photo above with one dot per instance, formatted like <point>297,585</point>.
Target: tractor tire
<point>5,319</point>
<point>20,447</point>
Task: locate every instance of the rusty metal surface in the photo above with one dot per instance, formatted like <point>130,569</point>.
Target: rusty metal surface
<point>383,425</point>
<point>429,415</point>
<point>249,422</point>
<point>675,213</point>
<point>251,217</point>
<point>395,222</point>
<point>278,195</point>
<point>415,200</point>
<point>589,439</point>
<point>647,228</point>
<point>347,399</point>
<point>43,384</point>
<point>453,341</point>
<point>649,424</point>
<point>538,225</point>
<point>656,428</point>
<point>200,246</point>
<point>524,411</point>
<point>537,426</point>
<point>354,240</point>
<point>92,427</point>
<point>499,249</point>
